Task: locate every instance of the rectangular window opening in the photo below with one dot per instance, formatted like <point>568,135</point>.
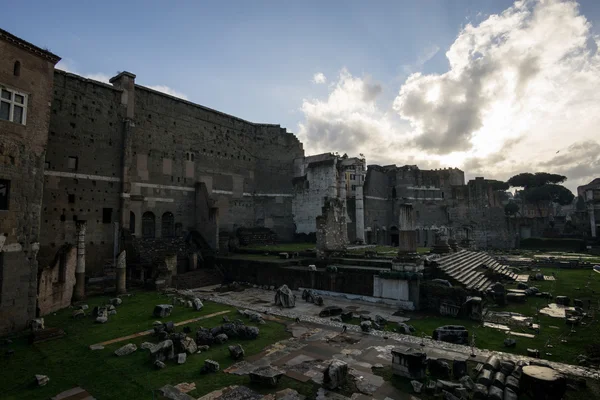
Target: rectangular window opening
<point>4,194</point>
<point>71,198</point>
<point>13,106</point>
<point>106,215</point>
<point>72,162</point>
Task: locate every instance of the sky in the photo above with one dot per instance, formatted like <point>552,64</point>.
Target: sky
<point>492,87</point>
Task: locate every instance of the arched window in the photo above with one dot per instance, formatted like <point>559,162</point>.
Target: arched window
<point>17,68</point>
<point>148,225</point>
<point>131,222</point>
<point>168,225</point>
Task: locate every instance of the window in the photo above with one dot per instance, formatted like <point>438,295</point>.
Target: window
<point>106,215</point>
<point>4,193</point>
<point>72,162</point>
<point>131,222</point>
<point>353,187</point>
<point>71,198</point>
<point>17,68</point>
<point>148,225</point>
<point>167,225</point>
<point>13,106</point>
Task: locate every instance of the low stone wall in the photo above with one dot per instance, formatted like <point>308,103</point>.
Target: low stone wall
<point>56,281</point>
<point>261,273</point>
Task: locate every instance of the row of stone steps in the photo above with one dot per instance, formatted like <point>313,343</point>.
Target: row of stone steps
<point>462,268</point>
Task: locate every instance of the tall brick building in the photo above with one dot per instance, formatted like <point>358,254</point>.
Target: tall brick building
<point>26,75</point>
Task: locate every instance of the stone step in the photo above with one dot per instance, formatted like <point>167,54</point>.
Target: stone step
<point>455,261</point>
<point>476,282</point>
<point>451,256</point>
<point>471,265</point>
<point>462,264</point>
<point>486,286</point>
<point>473,279</point>
<point>484,283</point>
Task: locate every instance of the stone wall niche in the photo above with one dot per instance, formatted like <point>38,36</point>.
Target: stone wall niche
<point>56,281</point>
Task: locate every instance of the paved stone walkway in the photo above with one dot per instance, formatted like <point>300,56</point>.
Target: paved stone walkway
<point>431,347</point>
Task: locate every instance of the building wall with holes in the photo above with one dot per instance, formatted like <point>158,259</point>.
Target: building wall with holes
<point>28,71</point>
<point>82,179</point>
<point>124,154</point>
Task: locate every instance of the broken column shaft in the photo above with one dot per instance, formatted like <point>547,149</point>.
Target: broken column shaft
<point>122,273</point>
<point>79,292</point>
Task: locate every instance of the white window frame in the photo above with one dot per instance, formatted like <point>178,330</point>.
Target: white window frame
<point>12,103</point>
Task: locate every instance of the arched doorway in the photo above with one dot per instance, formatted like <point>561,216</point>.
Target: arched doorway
<point>167,225</point>
<point>394,236</point>
<point>148,225</point>
<point>131,222</point>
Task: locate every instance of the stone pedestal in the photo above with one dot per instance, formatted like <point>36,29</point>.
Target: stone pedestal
<point>441,245</point>
<point>79,292</point>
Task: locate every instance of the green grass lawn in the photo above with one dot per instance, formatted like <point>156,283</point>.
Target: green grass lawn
<point>68,362</point>
<point>566,284</point>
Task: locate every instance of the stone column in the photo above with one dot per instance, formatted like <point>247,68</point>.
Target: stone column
<point>122,273</point>
<point>592,219</point>
<point>79,292</point>
<point>360,214</point>
<point>408,235</point>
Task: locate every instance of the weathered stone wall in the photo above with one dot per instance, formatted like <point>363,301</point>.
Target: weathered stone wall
<point>83,168</point>
<point>22,151</point>
<point>332,230</point>
<point>319,181</point>
<point>56,281</point>
<point>246,167</point>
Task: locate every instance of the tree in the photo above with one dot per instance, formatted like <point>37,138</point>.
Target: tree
<point>542,187</point>
<point>498,185</point>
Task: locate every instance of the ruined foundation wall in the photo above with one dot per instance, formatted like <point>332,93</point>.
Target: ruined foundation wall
<point>56,282</point>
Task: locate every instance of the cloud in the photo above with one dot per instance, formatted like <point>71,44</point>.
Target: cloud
<point>348,120</point>
<point>425,55</point>
<point>521,85</point>
<point>319,78</point>
<point>69,66</point>
<point>168,90</point>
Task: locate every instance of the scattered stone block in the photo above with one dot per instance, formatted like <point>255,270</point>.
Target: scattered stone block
<point>366,326</point>
<point>116,301</point>
<point>203,348</point>
<point>492,363</point>
<point>146,345</point>
<point>456,334</point>
<point>83,307</point>
<point>102,320</point>
<point>507,367</point>
<point>319,300</point>
<point>510,394</point>
<point>181,358</point>
<point>197,303</point>
<point>335,374</point>
<point>267,376</point>
<point>347,316</point>
<point>112,312</point>
<point>467,382</point>
<point>210,366</point>
<point>578,303</point>
<point>96,347</point>
<point>188,345</point>
<point>461,393</point>
<point>312,267</point>
<point>485,377</point>
<point>510,342</point>
<point>78,314</point>
<point>417,386</point>
<point>37,324</point>
<point>163,351</point>
<point>409,363</point>
<point>512,383</point>
<point>330,311</point>
<point>125,350</point>
<point>405,329</point>
<point>480,392</point>
<point>563,300</point>
<point>163,310</point>
<point>221,338</point>
<point>159,364</point>
<point>495,393</point>
<point>284,297</point>
<point>42,380</point>
<point>236,351</point>
<point>498,380</point>
<point>533,353</point>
